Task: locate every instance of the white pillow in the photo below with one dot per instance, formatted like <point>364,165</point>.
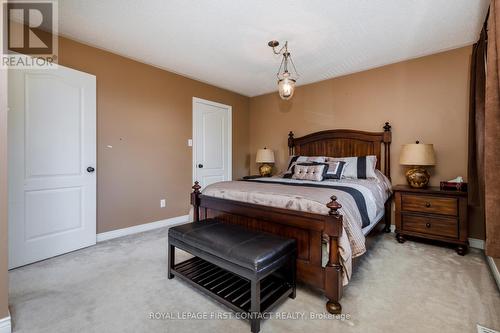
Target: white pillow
<point>294,159</point>
<point>360,167</point>
<point>309,171</point>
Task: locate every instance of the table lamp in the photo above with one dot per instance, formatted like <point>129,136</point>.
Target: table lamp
<point>265,157</point>
<point>417,155</point>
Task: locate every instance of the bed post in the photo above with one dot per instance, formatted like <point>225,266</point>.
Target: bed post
<point>333,270</point>
<point>387,149</point>
<point>291,144</point>
<point>387,172</point>
<point>195,201</point>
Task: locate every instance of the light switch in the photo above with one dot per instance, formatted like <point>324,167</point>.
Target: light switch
<point>163,203</point>
<point>190,142</point>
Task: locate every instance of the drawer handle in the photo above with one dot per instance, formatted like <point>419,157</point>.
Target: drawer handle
<point>427,204</point>
<point>428,225</point>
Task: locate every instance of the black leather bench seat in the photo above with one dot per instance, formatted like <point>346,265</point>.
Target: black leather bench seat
<point>247,270</point>
<point>251,249</point>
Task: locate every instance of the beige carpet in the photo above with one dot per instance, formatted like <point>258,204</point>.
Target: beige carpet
<point>114,286</point>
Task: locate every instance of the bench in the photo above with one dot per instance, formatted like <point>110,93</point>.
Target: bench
<point>246,270</point>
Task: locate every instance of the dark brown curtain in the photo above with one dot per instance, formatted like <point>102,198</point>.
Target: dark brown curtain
<point>492,134</point>
<point>476,135</point>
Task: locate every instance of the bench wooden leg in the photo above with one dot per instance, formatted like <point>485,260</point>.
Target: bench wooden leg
<point>255,306</point>
<point>171,260</point>
<point>293,276</point>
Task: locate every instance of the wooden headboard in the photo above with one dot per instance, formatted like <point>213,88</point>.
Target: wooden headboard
<point>344,143</point>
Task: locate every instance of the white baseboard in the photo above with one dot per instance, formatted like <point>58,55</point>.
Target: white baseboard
<point>494,270</point>
<point>476,243</point>
<point>473,242</point>
<point>5,325</point>
<point>141,228</point>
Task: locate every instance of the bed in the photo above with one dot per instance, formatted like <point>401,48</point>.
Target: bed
<point>321,231</point>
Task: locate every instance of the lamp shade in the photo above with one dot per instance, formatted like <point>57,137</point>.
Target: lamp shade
<point>417,154</point>
<point>286,87</point>
<point>265,156</point>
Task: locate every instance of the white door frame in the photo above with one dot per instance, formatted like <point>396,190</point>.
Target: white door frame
<point>229,109</point>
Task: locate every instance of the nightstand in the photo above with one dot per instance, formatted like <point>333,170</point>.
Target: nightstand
<point>253,177</point>
<point>433,214</point>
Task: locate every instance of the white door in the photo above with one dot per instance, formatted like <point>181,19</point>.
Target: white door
<point>212,126</point>
<point>52,161</point>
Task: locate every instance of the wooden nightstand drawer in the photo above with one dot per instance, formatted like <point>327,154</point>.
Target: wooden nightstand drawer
<point>429,204</point>
<point>432,225</point>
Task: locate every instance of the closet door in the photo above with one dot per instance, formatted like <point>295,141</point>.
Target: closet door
<point>212,142</point>
<point>52,163</point>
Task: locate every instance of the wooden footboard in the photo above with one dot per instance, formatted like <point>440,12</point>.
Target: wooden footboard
<point>307,228</point>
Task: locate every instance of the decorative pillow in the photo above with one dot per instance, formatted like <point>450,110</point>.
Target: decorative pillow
<point>294,159</point>
<point>335,169</point>
<point>310,171</point>
<point>361,167</point>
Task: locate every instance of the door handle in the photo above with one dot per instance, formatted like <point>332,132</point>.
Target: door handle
<point>90,169</point>
<point>200,165</point>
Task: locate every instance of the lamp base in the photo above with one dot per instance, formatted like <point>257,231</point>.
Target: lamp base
<point>417,177</point>
<point>265,170</point>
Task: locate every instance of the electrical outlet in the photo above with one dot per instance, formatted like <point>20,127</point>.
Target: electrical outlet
<point>163,203</point>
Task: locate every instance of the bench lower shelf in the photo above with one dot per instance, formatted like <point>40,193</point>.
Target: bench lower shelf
<point>228,288</point>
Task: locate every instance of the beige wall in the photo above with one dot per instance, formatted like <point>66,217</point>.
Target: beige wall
<point>424,99</point>
<point>145,113</point>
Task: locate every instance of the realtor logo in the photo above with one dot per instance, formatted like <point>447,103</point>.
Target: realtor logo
<point>29,34</point>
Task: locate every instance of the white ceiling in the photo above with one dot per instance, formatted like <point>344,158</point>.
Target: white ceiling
<point>224,42</point>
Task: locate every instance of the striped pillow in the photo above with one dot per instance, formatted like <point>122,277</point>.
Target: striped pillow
<point>361,167</point>
<point>335,169</point>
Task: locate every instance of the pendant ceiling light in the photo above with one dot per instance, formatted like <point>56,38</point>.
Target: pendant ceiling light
<point>286,78</point>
